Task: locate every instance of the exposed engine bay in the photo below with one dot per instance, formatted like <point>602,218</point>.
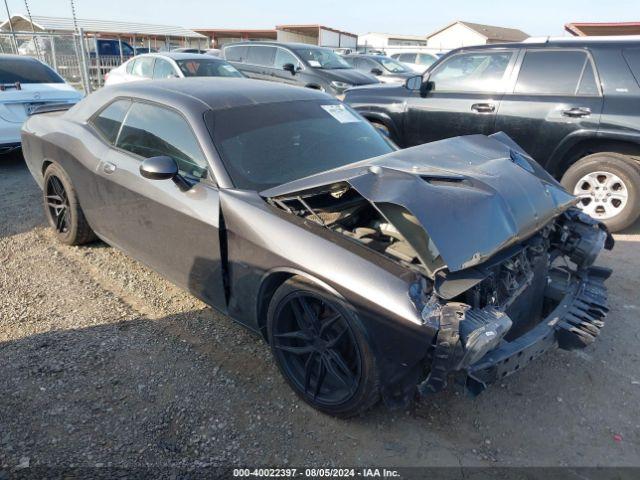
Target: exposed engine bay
<point>343,210</point>
<point>490,307</point>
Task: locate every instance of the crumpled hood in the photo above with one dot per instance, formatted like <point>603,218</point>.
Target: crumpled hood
<point>471,196</point>
<point>350,75</point>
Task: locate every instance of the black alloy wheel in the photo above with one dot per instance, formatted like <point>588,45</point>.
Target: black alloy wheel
<point>317,348</point>
<point>62,208</point>
<point>58,205</point>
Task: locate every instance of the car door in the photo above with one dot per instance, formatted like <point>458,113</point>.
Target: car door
<point>282,58</point>
<point>174,232</point>
<point>463,99</point>
<point>555,94</point>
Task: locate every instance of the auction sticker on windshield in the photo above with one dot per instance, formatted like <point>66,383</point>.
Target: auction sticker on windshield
<point>340,113</point>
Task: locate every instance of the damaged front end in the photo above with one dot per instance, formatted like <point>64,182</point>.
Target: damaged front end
<point>503,259</point>
<point>545,293</point>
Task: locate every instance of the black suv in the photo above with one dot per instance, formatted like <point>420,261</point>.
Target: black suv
<point>572,104</point>
<point>297,64</point>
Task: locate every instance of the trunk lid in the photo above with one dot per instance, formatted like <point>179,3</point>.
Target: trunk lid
<point>17,104</point>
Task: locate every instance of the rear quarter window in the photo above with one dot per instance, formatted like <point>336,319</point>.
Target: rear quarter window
<point>560,72</point>
<point>261,55</point>
<point>109,119</point>
<point>236,54</point>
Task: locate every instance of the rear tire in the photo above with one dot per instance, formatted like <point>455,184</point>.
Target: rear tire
<point>321,349</point>
<point>609,187</point>
<point>62,208</point>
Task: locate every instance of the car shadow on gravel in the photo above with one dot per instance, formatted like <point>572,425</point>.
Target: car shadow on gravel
<point>18,188</point>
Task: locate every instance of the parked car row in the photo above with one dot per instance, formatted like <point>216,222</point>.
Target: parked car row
<point>296,64</point>
<point>573,105</point>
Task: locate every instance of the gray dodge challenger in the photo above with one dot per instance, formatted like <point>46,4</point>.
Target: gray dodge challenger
<point>372,272</point>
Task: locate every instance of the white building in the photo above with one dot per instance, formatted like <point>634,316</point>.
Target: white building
<point>462,34</point>
<point>392,43</point>
<point>316,35</point>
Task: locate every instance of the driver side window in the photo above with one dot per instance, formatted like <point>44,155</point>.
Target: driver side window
<point>283,57</point>
<point>151,131</point>
<point>472,72</point>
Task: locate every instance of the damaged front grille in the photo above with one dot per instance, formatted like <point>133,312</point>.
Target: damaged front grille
<point>545,294</point>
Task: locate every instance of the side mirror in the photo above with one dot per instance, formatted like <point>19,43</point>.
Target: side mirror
<point>414,83</point>
<point>164,168</point>
<point>159,168</point>
<point>376,71</point>
<point>289,67</point>
<point>426,87</point>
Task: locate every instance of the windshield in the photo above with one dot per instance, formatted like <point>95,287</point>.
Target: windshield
<point>14,70</point>
<point>322,58</point>
<point>392,65</point>
<point>207,67</point>
<point>266,145</point>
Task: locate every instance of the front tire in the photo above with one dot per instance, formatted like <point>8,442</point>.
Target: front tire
<point>321,349</point>
<point>62,208</point>
<point>608,185</point>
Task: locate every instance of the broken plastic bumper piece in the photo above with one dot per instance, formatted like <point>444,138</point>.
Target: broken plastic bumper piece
<point>574,323</point>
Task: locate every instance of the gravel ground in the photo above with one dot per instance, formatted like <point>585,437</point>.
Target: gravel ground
<point>104,363</point>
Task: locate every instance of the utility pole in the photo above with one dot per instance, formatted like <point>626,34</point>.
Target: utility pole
<point>33,30</point>
<point>80,53</point>
<point>13,34</point>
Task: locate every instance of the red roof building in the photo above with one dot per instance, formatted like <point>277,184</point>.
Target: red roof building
<point>603,28</point>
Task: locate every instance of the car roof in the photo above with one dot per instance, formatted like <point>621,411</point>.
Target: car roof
<point>24,58</point>
<point>180,56</point>
<point>564,42</point>
<point>292,45</point>
<point>217,93</point>
<point>366,55</point>
<point>413,52</point>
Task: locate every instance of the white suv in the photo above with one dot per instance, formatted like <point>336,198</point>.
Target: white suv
<point>416,61</point>
<point>26,84</point>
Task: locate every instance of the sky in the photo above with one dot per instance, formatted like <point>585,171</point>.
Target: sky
<point>419,17</point>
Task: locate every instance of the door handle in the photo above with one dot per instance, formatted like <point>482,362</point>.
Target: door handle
<point>108,167</point>
<point>483,107</point>
<point>577,112</point>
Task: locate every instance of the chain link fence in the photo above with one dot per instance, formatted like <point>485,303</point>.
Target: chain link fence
<point>74,57</point>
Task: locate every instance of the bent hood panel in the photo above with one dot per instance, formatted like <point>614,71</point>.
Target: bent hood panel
<point>473,195</point>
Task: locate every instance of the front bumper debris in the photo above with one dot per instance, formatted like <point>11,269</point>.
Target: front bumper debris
<point>574,323</point>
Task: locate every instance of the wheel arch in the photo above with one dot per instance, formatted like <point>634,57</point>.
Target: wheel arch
<point>383,118</point>
<point>45,164</point>
<point>271,281</point>
<point>573,149</point>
